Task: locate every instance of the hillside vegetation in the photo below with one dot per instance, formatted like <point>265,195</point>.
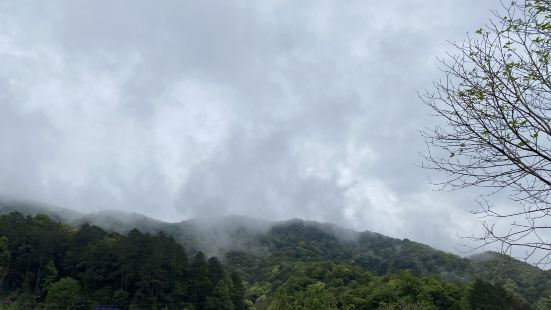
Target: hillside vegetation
<point>287,265</point>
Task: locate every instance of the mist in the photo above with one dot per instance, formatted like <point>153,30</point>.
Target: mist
<point>195,109</point>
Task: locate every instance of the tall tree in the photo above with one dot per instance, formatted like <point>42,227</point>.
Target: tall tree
<point>200,279</point>
<point>495,106</point>
<point>238,292</point>
<point>4,259</point>
<point>215,270</point>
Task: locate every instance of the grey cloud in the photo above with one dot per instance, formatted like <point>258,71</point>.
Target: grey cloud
<point>260,178</point>
<point>275,109</point>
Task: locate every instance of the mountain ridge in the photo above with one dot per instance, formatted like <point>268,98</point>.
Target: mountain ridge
<point>124,221</point>
<point>256,248</point>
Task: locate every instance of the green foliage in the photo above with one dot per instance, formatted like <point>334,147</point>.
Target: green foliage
<point>300,255</point>
<point>4,259</point>
<point>544,303</point>
<point>50,275</point>
<point>314,296</point>
<point>522,279</point>
<point>220,298</point>
<point>485,296</point>
<point>199,276</point>
<point>65,293</point>
<point>238,292</point>
<point>302,267</point>
<point>323,285</point>
<point>4,252</point>
<point>96,267</point>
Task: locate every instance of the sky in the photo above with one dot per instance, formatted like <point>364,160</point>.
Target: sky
<point>270,109</point>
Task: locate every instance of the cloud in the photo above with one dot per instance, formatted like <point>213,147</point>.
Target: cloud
<point>275,109</point>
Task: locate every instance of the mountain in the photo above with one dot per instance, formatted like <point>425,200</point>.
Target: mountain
<point>33,208</point>
<point>300,241</point>
<point>258,250</point>
<point>45,264</point>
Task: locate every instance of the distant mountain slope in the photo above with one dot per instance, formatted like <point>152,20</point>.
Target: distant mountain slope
<point>255,248</point>
<point>32,208</point>
<point>527,280</point>
<point>300,241</point>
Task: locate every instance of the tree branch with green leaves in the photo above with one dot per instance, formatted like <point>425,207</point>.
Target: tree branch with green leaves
<point>495,106</point>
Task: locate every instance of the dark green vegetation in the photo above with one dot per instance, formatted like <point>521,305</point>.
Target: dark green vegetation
<point>288,265</point>
<point>48,264</point>
<point>303,260</point>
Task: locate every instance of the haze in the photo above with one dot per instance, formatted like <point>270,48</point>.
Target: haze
<point>270,109</point>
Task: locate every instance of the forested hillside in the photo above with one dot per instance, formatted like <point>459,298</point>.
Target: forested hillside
<point>300,246</point>
<point>285,265</point>
<point>47,264</point>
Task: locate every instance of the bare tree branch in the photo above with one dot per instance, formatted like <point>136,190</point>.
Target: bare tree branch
<point>495,108</point>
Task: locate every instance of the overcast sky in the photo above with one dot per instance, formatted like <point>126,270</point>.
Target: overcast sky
<point>272,109</point>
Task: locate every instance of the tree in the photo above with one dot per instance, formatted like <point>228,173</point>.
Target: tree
<point>495,105</point>
<point>215,271</point>
<point>50,275</point>
<point>220,298</point>
<point>238,292</point>
<point>4,259</point>
<point>484,295</point>
<point>4,252</point>
<point>65,293</point>
<point>314,296</point>
<point>199,277</point>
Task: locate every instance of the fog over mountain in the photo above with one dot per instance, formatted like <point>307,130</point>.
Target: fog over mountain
<point>269,109</point>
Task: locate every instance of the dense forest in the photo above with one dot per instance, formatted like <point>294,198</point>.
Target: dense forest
<point>47,263</point>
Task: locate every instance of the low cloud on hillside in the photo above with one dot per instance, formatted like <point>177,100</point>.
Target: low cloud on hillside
<point>271,109</point>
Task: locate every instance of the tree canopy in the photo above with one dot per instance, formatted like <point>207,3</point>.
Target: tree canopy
<point>53,264</point>
<point>300,266</point>
<point>495,106</point>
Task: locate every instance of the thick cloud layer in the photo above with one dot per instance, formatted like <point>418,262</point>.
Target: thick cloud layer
<point>272,109</point>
